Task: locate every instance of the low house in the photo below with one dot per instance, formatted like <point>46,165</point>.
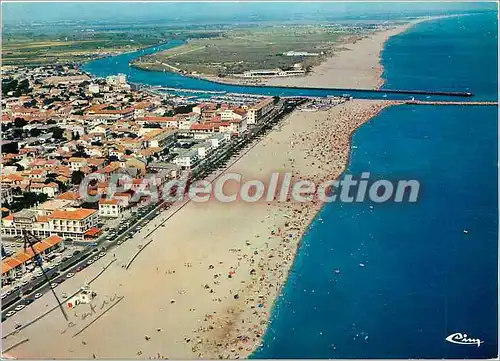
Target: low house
<point>187,159</point>
<point>16,264</point>
<point>77,163</point>
<point>51,189</point>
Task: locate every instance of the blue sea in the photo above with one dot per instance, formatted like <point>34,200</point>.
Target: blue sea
<point>423,277</point>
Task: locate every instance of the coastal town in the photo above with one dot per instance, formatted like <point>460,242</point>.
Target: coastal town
<point>65,254</point>
<point>62,126</point>
<point>153,158</point>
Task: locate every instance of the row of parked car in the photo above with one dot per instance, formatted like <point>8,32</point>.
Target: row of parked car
<point>25,302</point>
<point>28,300</point>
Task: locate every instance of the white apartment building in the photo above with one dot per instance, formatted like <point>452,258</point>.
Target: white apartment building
<point>7,196</point>
<point>163,138</point>
<point>110,208</point>
<point>74,223</point>
<point>94,88</point>
<point>259,110</point>
<point>204,149</point>
<point>117,80</point>
<point>187,159</point>
<point>219,139</point>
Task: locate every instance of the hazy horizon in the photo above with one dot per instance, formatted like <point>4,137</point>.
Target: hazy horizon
<point>189,12</point>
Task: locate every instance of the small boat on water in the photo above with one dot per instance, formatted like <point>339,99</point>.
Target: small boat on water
<point>337,271</point>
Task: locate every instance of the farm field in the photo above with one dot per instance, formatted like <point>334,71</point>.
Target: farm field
<point>74,45</point>
<point>239,50</point>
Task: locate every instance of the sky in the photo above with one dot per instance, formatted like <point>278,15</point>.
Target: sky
<point>33,12</point>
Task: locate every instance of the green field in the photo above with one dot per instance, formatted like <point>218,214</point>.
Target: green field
<point>23,50</point>
<point>238,50</point>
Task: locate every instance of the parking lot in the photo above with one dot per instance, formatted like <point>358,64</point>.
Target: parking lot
<point>115,232</point>
<point>32,284</point>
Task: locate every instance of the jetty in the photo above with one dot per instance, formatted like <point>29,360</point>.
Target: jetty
<point>380,91</point>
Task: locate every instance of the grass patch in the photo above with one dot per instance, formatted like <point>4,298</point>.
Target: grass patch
<point>238,50</point>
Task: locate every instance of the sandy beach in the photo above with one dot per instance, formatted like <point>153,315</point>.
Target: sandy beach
<point>356,64</point>
<point>206,285</point>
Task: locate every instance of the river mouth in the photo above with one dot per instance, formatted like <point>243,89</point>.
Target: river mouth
<point>179,83</point>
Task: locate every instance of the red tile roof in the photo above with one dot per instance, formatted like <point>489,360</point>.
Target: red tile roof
<point>77,214</point>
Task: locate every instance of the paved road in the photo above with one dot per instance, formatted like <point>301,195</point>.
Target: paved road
<point>214,166</point>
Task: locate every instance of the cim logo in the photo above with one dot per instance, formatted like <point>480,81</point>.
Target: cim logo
<point>462,339</point>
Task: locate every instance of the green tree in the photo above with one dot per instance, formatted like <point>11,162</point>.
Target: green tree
<point>57,132</point>
<point>12,147</point>
<point>20,122</point>
<point>77,177</point>
<point>35,132</point>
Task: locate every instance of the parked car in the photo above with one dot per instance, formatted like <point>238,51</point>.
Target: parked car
<point>10,313</point>
<point>102,254</point>
<point>28,301</point>
<point>19,307</point>
<point>69,275</point>
<point>54,284</point>
<point>38,295</point>
<point>24,283</point>
<point>89,262</point>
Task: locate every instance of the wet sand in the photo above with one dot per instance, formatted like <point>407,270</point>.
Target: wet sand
<point>205,287</point>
